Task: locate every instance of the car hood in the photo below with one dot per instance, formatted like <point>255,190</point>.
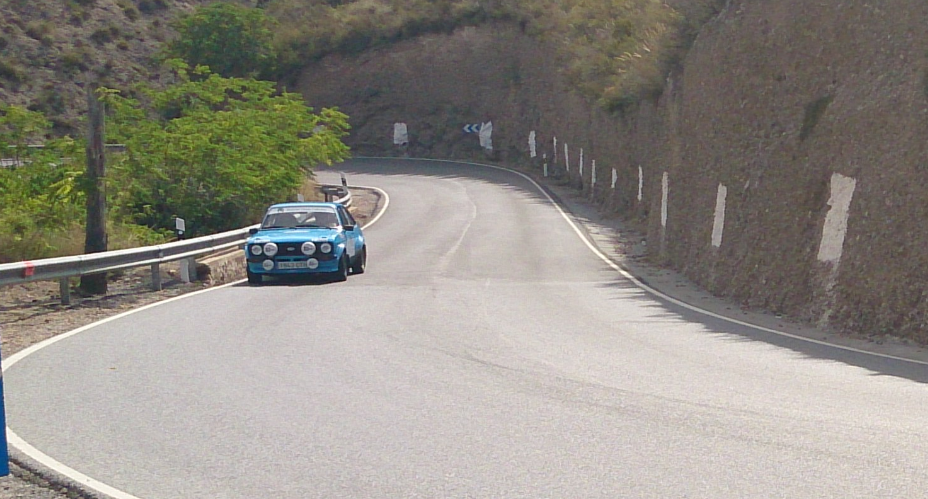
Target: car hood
<point>294,235</point>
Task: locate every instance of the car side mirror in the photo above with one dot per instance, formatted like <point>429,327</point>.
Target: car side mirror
<point>348,228</point>
<point>253,231</point>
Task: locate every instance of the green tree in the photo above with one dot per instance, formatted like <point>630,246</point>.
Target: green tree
<point>39,187</point>
<point>216,151</point>
<point>233,41</point>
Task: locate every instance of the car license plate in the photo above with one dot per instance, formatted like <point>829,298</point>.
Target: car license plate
<point>292,265</point>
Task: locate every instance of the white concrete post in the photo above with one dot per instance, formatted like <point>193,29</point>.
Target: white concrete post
<point>400,134</point>
<point>593,176</point>
<point>835,228</point>
<point>566,157</point>
<point>665,186</point>
<point>555,151</point>
<point>188,270</point>
<point>581,165</point>
<point>718,224</point>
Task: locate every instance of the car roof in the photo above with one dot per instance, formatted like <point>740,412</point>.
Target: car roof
<point>304,203</point>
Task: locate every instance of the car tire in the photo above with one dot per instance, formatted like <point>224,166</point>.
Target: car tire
<point>341,275</point>
<point>360,262</point>
<point>254,279</point>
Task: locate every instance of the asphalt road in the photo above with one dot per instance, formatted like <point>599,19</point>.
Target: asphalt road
<point>486,353</point>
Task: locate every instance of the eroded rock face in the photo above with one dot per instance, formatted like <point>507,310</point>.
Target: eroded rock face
<point>772,101</point>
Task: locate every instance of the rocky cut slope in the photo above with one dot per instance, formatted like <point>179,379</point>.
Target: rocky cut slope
<point>782,165</point>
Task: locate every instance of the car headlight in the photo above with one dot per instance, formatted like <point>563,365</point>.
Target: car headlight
<point>268,265</point>
<point>308,248</point>
<point>325,248</point>
<point>270,249</point>
<point>256,249</point>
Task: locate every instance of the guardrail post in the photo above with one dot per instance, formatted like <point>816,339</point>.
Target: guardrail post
<point>64,286</point>
<point>156,276</point>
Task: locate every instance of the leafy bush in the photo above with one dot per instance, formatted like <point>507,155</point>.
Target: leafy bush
<point>131,12</point>
<point>41,31</point>
<point>149,6</point>
<point>106,34</point>
<point>231,40</point>
<point>37,191</point>
<point>215,151</point>
<point>38,29</point>
<point>11,71</point>
<point>49,101</point>
<point>79,15</point>
<point>74,61</point>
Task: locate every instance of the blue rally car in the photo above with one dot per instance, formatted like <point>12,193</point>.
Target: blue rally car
<point>306,238</point>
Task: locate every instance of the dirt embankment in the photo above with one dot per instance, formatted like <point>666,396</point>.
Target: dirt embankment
<point>773,99</point>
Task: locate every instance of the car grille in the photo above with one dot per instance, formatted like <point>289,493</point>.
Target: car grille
<point>287,250</point>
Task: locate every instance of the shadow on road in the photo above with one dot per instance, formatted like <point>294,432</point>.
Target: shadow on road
<point>662,310</point>
<point>291,280</point>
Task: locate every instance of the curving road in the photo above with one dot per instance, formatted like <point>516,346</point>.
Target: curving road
<point>487,353</point>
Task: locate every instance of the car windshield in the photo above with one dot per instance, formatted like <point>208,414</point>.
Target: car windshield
<point>293,217</point>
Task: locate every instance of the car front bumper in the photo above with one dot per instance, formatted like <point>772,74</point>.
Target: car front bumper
<point>324,266</point>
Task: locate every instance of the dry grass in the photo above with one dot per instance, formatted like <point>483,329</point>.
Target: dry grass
<point>310,190</point>
<point>68,241</point>
<point>619,51</point>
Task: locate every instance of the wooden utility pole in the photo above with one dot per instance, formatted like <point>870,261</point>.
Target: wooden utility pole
<point>95,239</point>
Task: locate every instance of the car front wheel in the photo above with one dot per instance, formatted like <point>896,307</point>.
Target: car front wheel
<point>360,262</point>
<point>254,279</point>
<point>341,274</point>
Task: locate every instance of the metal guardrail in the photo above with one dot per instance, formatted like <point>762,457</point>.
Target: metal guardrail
<point>337,194</point>
<point>63,268</point>
<point>17,162</point>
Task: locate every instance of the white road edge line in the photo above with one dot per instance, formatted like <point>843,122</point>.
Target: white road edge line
<point>61,468</point>
<point>644,286</point>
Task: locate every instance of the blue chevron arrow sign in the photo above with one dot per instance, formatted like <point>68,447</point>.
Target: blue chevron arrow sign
<point>472,128</point>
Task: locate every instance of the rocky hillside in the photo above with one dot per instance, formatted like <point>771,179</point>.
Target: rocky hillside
<point>49,48</point>
<point>781,166</point>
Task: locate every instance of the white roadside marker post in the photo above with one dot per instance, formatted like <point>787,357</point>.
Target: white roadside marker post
<point>187,274</point>
<point>593,178</point>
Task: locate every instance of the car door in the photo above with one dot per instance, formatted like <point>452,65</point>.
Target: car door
<point>354,240</point>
